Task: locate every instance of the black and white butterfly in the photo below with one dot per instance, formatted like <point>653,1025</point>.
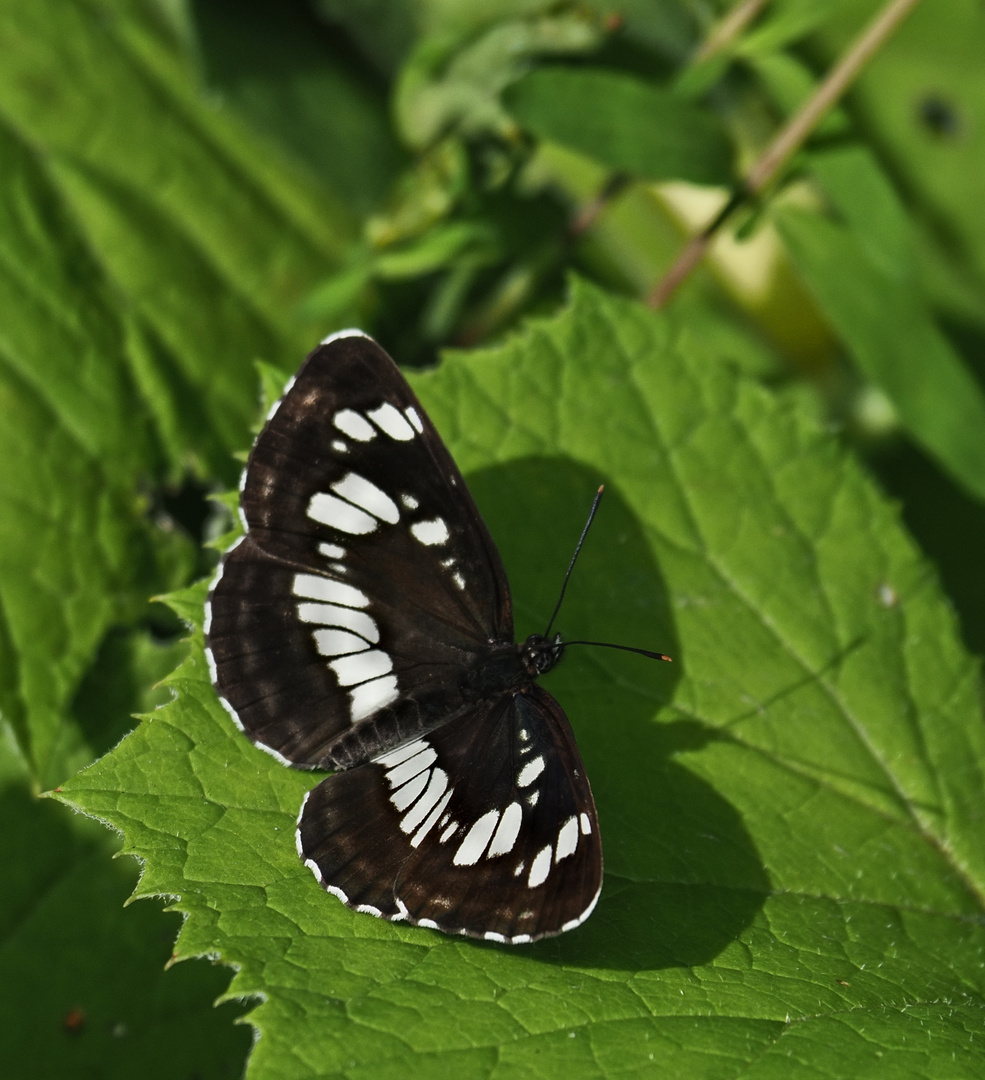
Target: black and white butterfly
<point>364,624</point>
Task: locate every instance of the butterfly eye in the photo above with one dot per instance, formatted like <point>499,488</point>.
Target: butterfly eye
<point>363,624</point>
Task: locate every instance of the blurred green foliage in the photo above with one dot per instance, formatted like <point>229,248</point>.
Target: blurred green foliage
<point>191,186</point>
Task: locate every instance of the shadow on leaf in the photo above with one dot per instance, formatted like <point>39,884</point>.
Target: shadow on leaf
<point>683,877</point>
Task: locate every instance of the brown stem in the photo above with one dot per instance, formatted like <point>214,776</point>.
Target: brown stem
<point>789,140</point>
<point>729,28</point>
<point>590,213</point>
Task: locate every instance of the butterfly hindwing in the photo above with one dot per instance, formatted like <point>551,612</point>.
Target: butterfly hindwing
<point>367,579</point>
<point>486,829</point>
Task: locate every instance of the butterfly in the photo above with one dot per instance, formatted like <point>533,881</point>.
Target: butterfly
<point>363,624</point>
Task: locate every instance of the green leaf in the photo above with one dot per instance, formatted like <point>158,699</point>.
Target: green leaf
<point>624,122</point>
<point>83,988</point>
<point>78,550</point>
<point>864,278</point>
<point>923,101</point>
<point>298,84</point>
<point>791,811</point>
<point>449,82</point>
<point>209,237</point>
<point>784,24</point>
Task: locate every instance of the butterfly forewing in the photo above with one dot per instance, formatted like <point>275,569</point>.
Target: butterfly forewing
<point>494,819</point>
<point>363,623</point>
<point>367,575</point>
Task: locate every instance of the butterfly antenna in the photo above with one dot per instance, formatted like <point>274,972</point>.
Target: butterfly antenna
<point>564,586</point>
<point>625,648</point>
<point>574,558</point>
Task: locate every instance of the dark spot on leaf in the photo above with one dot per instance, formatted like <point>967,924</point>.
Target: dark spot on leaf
<point>938,117</point>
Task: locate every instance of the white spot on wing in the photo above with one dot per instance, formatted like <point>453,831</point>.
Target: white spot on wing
<point>432,817</point>
<point>390,420</point>
<point>217,576</point>
<point>276,754</point>
<point>352,331</point>
<point>347,618</point>
<point>476,839</point>
<point>428,924</point>
<point>394,757</point>
<point>372,696</point>
<point>272,411</point>
<point>407,793</point>
<point>491,935</point>
<point>567,839</point>
<point>338,642</point>
<point>368,909</point>
<point>410,502</point>
<point>586,824</point>
<point>571,924</point>
<point>338,514</point>
<point>449,832</point>
<point>361,667</point>
<point>506,834</point>
<point>424,759</point>
<point>313,587</point>
<point>339,446</point>
<point>540,867</point>
<point>367,496</point>
<point>233,715</point>
<point>411,413</point>
<point>458,579</point>
<point>331,551</point>
<point>529,773</point>
<point>425,804</point>
<point>430,532</point>
<point>355,426</point>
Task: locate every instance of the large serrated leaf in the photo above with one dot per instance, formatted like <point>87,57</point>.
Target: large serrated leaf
<point>791,812</point>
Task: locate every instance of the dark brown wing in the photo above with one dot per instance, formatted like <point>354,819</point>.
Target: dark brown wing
<point>367,582</point>
<point>484,827</point>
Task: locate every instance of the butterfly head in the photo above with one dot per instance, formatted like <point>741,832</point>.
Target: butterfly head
<point>539,654</point>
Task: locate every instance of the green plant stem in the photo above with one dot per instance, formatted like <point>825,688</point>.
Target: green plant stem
<point>787,142</point>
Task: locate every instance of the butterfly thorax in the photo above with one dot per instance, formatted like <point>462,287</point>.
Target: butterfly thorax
<point>508,668</point>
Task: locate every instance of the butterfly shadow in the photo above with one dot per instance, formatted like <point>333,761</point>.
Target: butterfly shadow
<point>683,877</point>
